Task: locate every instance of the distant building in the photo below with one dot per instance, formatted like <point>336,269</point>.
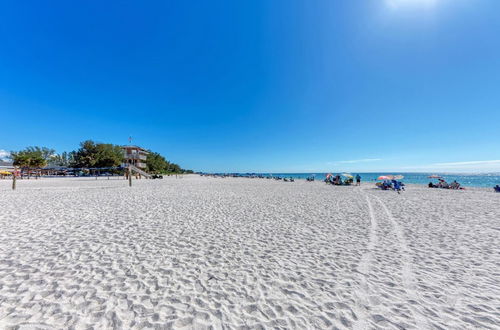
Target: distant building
<point>4,165</point>
<point>135,155</point>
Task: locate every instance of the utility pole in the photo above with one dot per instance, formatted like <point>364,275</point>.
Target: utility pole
<point>129,176</point>
<point>14,178</point>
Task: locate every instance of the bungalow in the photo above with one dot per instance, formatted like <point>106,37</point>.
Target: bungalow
<point>135,155</point>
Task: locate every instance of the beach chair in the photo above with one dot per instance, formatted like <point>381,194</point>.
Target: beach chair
<point>383,185</point>
<point>497,188</point>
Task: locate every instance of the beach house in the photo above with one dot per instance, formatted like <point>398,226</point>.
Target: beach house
<point>6,166</point>
<point>134,155</point>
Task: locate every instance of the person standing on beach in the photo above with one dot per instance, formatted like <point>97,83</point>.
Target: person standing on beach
<point>358,180</point>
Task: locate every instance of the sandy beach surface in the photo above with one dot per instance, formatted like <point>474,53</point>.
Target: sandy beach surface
<point>212,253</point>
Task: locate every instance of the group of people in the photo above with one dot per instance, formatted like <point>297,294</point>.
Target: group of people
<point>445,185</point>
<point>347,181</point>
<point>391,185</point>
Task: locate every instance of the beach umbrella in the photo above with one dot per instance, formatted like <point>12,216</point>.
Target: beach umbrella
<point>328,175</point>
<point>385,177</point>
<point>347,175</point>
<point>434,176</point>
<point>5,173</point>
<point>398,177</point>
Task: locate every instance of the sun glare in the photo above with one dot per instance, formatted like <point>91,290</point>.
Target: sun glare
<point>410,3</point>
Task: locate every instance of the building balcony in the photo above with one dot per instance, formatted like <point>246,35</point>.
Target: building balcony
<point>136,164</point>
<point>136,156</point>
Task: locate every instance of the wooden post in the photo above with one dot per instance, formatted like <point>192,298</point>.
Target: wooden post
<point>14,179</point>
<point>129,176</point>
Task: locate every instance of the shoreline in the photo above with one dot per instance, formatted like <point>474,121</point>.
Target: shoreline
<point>484,180</point>
<point>180,176</point>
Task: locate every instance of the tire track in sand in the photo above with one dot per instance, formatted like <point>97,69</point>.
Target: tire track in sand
<point>364,268</point>
<point>408,276</point>
<point>366,259</point>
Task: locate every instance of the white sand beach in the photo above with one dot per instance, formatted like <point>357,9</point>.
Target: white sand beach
<point>212,253</point>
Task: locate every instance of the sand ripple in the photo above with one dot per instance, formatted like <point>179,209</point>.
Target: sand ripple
<point>205,253</point>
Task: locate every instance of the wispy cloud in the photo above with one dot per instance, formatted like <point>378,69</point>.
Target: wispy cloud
<point>4,154</point>
<point>468,166</point>
<point>469,163</point>
<point>365,160</point>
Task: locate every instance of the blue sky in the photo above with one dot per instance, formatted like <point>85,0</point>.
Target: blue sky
<point>272,86</point>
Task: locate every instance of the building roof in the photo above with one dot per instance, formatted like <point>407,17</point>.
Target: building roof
<point>134,147</point>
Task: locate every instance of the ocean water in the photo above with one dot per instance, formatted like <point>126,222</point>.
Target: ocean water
<point>469,180</point>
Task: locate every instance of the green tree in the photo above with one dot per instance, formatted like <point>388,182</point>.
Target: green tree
<point>32,157</point>
<point>20,158</point>
<point>156,163</point>
<point>86,155</point>
<point>91,154</point>
<point>174,168</point>
<point>46,153</point>
<point>63,159</point>
<point>109,155</point>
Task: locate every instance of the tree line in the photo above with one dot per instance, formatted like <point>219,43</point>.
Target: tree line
<point>90,155</point>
